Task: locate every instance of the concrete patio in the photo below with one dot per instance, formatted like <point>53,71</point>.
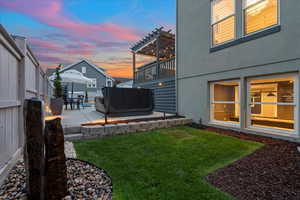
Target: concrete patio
<point>73,119</point>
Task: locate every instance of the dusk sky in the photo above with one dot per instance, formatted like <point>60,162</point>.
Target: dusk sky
<point>101,31</point>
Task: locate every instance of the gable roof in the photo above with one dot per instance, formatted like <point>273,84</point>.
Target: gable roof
<point>99,69</point>
<point>122,79</point>
<point>50,71</point>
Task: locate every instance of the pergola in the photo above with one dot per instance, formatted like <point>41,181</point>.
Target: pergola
<point>158,43</point>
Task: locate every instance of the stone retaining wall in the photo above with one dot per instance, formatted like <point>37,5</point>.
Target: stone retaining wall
<point>99,131</point>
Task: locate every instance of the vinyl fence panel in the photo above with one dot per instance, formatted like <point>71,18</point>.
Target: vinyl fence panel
<point>9,104</point>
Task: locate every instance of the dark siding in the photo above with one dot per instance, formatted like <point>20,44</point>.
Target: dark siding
<point>164,96</point>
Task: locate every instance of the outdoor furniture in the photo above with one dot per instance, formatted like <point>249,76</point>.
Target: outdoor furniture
<point>125,102</point>
<point>73,76</point>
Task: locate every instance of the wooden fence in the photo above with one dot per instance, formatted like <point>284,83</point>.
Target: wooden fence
<point>20,77</point>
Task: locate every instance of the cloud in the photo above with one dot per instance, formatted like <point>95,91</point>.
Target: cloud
<point>69,39</point>
<point>50,12</point>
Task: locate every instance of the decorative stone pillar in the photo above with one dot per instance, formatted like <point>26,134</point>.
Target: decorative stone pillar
<point>56,170</point>
<point>34,149</point>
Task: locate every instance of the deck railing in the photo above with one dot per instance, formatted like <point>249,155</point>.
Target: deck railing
<point>149,71</point>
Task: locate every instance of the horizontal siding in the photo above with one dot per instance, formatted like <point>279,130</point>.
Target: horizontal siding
<point>164,96</point>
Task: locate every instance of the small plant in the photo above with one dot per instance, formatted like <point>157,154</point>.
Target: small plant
<point>58,91</point>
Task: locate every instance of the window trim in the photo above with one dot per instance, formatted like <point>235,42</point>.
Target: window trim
<point>109,81</point>
<point>244,34</point>
<point>239,39</point>
<point>83,70</point>
<point>212,101</point>
<point>295,104</point>
<point>91,85</point>
<point>234,14</point>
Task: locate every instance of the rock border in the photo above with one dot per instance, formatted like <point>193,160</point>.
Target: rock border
<point>109,130</point>
<point>15,184</point>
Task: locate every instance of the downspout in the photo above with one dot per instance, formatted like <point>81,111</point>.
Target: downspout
<point>176,59</point>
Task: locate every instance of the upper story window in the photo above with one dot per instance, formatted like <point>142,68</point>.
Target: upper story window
<point>93,84</point>
<point>83,70</point>
<point>223,21</point>
<point>259,14</point>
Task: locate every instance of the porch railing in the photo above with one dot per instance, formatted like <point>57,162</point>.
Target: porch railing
<point>149,71</point>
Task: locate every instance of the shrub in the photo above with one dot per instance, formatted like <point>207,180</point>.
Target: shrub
<point>58,91</point>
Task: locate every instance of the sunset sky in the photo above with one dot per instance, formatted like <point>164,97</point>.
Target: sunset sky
<point>64,31</point>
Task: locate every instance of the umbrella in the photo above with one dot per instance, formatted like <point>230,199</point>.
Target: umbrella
<point>72,76</point>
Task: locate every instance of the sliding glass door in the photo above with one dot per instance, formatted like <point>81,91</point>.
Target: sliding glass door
<point>272,103</point>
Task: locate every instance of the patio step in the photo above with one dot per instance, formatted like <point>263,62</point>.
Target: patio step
<point>72,130</point>
<point>72,137</point>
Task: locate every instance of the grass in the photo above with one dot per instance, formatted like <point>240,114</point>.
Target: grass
<point>166,164</point>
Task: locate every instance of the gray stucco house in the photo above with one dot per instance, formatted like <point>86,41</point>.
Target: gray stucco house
<point>98,75</point>
<point>238,65</point>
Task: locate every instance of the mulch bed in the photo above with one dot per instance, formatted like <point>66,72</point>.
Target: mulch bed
<point>271,172</point>
<point>132,120</point>
<point>85,181</point>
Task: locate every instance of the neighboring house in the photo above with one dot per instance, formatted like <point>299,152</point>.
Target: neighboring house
<point>238,64</point>
<point>98,75</point>
<point>160,74</point>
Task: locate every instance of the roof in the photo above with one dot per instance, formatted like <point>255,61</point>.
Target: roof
<point>128,84</point>
<point>99,69</point>
<point>122,79</point>
<point>148,45</point>
<point>50,71</point>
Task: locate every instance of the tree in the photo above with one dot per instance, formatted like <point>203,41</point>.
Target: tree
<point>58,91</point>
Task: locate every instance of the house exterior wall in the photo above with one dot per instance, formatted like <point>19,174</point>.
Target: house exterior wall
<point>197,66</point>
<point>164,94</point>
<point>92,73</point>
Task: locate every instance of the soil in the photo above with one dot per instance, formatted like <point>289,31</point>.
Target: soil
<point>271,172</point>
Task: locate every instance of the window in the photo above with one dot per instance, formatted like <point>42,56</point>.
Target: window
<point>83,70</point>
<point>259,14</point>
<point>272,102</point>
<point>223,21</point>
<point>109,83</point>
<point>93,84</point>
<point>225,102</point>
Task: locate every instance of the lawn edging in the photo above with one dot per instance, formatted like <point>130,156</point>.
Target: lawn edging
<point>101,131</point>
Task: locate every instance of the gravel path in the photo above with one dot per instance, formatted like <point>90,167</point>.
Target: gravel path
<point>85,181</point>
<point>272,172</point>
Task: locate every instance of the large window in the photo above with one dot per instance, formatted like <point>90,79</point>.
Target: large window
<point>223,21</point>
<point>272,103</point>
<point>225,102</point>
<point>259,14</point>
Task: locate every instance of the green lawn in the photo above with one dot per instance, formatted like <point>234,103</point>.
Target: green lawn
<point>166,164</point>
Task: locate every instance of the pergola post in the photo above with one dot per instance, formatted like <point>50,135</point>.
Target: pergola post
<point>133,66</point>
<point>157,57</point>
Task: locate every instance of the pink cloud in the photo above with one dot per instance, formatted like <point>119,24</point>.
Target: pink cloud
<point>36,43</point>
<point>50,12</point>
